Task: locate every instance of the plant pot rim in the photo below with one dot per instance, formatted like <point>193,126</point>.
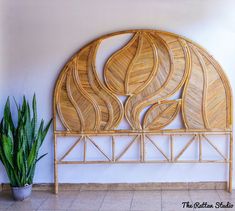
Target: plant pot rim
<point>18,187</point>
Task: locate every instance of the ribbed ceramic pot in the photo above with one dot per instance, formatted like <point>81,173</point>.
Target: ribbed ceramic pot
<point>21,193</point>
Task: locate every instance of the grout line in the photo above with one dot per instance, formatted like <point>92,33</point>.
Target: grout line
<point>72,202</point>
<point>41,203</point>
<point>190,198</point>
<point>103,199</point>
<point>218,195</point>
<point>132,199</point>
<point>10,205</point>
<point>7,207</point>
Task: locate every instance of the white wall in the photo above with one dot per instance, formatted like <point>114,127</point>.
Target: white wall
<point>38,37</point>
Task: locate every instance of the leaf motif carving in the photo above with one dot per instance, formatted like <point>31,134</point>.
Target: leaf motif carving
<point>153,66</point>
<point>129,70</point>
<point>206,96</point>
<point>86,107</point>
<point>172,71</point>
<point>83,102</point>
<point>161,114</point>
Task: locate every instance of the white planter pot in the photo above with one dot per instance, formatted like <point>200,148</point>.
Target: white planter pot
<point>21,193</point>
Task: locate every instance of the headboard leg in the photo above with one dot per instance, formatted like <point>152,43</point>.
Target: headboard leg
<point>230,186</point>
<point>55,166</point>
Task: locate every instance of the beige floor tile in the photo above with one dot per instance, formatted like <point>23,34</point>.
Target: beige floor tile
<point>175,196</point>
<point>148,194</point>
<point>5,201</point>
<point>227,199</point>
<point>5,204</point>
<point>61,195</point>
<point>146,200</point>
<point>41,194</point>
<point>56,203</point>
<point>175,193</point>
<point>174,206</point>
<point>25,209</point>
<point>83,209</point>
<point>66,195</point>
<point>28,204</point>
<point>90,194</point>
<point>226,195</point>
<point>173,200</point>
<point>120,194</point>
<point>204,195</point>
<point>88,200</point>
<point>117,200</point>
<point>46,210</point>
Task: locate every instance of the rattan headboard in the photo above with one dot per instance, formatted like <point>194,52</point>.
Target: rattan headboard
<point>150,69</point>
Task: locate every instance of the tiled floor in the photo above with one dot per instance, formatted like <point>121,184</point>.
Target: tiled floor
<point>118,200</point>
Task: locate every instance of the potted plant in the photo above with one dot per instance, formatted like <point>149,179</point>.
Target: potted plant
<point>19,146</point>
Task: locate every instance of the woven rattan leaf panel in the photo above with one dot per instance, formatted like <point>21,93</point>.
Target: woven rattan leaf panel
<point>149,69</point>
<point>149,82</point>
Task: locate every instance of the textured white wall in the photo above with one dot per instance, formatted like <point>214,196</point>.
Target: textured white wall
<point>38,37</point>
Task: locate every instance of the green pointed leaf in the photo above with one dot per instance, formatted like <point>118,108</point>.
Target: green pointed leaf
<point>7,116</point>
<point>46,129</point>
<point>34,119</point>
<point>32,155</point>
<point>8,149</point>
<point>41,157</point>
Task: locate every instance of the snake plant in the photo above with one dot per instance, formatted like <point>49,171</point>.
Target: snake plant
<point>20,142</point>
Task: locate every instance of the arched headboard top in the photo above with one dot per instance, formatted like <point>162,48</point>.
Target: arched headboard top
<point>149,70</point>
<point>144,83</point>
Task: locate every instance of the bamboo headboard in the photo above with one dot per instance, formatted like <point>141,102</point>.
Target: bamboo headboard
<point>149,70</point>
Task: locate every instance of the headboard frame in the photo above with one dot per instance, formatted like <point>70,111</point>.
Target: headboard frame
<point>162,76</point>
